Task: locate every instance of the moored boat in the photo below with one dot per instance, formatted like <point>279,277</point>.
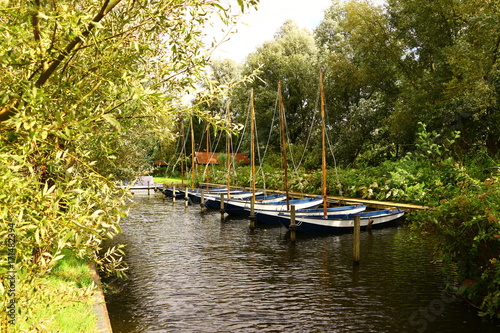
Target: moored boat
<point>271,217</point>
<point>195,195</point>
<point>342,222</point>
<point>242,207</point>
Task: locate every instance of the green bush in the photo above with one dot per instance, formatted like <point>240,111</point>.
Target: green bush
<point>468,230</point>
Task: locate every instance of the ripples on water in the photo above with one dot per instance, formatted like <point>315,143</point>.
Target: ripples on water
<point>192,272</point>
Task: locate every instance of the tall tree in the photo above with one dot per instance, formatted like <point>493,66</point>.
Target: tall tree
<point>451,50</point>
<point>360,57</point>
<point>292,59</point>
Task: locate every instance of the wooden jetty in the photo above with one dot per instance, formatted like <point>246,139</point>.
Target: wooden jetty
<point>375,204</point>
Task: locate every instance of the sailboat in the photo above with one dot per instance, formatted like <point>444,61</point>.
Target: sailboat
<point>256,205</point>
<point>271,217</point>
<point>214,194</point>
<point>330,220</point>
<point>335,223</point>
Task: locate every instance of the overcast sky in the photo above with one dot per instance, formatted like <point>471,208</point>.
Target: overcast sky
<point>260,25</point>
<point>256,27</point>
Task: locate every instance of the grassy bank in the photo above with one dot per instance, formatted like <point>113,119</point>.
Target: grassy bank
<point>165,180</point>
<point>67,296</point>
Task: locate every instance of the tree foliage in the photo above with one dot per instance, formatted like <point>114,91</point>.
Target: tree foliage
<point>291,59</point>
<point>88,89</point>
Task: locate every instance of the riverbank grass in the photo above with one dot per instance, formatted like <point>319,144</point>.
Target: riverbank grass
<point>70,306</point>
<point>165,180</point>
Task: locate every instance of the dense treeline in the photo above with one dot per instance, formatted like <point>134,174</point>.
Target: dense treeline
<point>386,70</point>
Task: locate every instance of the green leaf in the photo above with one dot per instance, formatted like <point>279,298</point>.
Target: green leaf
<point>112,120</point>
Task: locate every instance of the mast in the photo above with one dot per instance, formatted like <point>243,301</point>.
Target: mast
<point>207,172</point>
<point>323,141</point>
<point>183,152</point>
<point>192,151</point>
<point>283,143</point>
<point>252,142</point>
<point>228,149</point>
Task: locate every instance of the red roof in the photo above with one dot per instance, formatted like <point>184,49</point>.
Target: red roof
<point>213,158</point>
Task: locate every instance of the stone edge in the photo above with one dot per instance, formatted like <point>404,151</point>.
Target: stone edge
<point>103,324</point>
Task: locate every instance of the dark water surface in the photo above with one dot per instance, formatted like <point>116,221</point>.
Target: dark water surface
<point>192,272</point>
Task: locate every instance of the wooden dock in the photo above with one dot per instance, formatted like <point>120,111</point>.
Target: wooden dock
<point>375,204</point>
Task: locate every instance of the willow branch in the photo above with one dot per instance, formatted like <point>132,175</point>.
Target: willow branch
<point>105,9</point>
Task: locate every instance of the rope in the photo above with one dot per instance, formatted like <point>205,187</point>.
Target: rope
<point>184,140</point>
<point>311,126</point>
<point>335,165</point>
<point>334,162</point>
<point>269,137</point>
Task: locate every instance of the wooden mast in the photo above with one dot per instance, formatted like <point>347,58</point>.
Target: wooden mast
<point>323,141</point>
<point>283,143</point>
<point>192,151</point>
<point>183,152</point>
<point>252,143</point>
<point>207,171</point>
<point>228,150</point>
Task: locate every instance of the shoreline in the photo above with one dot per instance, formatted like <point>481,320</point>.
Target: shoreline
<point>103,324</point>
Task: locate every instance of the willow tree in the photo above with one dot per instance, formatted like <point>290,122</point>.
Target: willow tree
<point>451,51</point>
<point>85,87</point>
<point>290,58</point>
<point>361,60</point>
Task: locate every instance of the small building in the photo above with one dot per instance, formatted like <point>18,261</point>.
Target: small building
<point>204,158</point>
<point>160,164</point>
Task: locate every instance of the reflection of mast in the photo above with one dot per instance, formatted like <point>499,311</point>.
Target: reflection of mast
<point>228,149</point>
<point>283,143</point>
<point>323,140</point>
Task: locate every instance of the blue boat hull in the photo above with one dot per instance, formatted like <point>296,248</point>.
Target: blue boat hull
<point>273,217</point>
<point>233,207</point>
<point>344,223</point>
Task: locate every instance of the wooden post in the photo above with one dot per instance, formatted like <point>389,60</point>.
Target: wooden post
<point>202,203</point>
<point>148,187</point>
<point>356,234</point>
<point>173,193</point>
<point>293,226</point>
<point>222,210</point>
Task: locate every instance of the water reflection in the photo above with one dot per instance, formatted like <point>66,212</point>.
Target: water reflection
<point>193,272</point>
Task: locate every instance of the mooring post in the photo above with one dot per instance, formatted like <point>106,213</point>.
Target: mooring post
<point>148,187</point>
<point>202,203</point>
<point>356,234</point>
<point>222,210</point>
<point>293,225</point>
<point>173,193</point>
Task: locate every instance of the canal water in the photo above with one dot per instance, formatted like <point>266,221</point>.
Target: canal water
<point>193,272</point>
